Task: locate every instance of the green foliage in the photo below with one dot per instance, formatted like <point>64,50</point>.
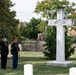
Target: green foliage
<point>48,9</point>
<point>8,23</point>
<point>50,45</point>
<point>32,28</point>
<point>69,48</point>
<point>31,31</point>
<point>21,30</point>
<point>42,26</point>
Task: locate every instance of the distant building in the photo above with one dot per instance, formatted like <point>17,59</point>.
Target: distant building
<point>24,23</point>
<point>71,32</point>
<point>40,37</point>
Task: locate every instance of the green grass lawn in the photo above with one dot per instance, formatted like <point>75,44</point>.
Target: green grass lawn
<point>39,64</point>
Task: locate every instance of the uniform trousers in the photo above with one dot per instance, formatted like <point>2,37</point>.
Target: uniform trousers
<point>3,61</point>
<point>15,61</point>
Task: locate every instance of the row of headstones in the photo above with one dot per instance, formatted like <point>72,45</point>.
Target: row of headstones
<point>28,70</point>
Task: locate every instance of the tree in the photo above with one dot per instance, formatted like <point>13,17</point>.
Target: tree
<point>50,45</point>
<point>42,26</point>
<point>31,29</point>
<point>21,30</point>
<point>48,9</point>
<point>8,23</point>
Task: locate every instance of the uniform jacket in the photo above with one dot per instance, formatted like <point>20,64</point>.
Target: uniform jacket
<point>4,47</point>
<point>14,48</point>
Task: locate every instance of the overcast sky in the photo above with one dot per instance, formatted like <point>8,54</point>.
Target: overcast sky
<point>25,9</point>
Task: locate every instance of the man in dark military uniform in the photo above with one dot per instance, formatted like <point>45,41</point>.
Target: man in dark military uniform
<point>14,52</point>
<point>4,52</point>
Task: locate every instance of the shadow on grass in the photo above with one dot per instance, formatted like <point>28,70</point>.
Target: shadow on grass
<point>32,59</point>
<point>72,59</point>
<point>46,70</point>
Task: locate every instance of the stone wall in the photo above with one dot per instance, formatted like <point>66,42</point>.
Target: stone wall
<point>32,45</point>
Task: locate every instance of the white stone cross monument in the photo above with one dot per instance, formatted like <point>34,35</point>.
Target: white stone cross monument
<point>60,38</point>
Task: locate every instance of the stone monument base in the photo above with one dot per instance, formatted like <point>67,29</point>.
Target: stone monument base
<point>63,64</point>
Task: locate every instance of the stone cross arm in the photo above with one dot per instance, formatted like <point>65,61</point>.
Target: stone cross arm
<point>59,22</point>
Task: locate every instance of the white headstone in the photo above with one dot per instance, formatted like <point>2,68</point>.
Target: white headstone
<point>72,71</point>
<point>60,38</point>
<point>28,69</point>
